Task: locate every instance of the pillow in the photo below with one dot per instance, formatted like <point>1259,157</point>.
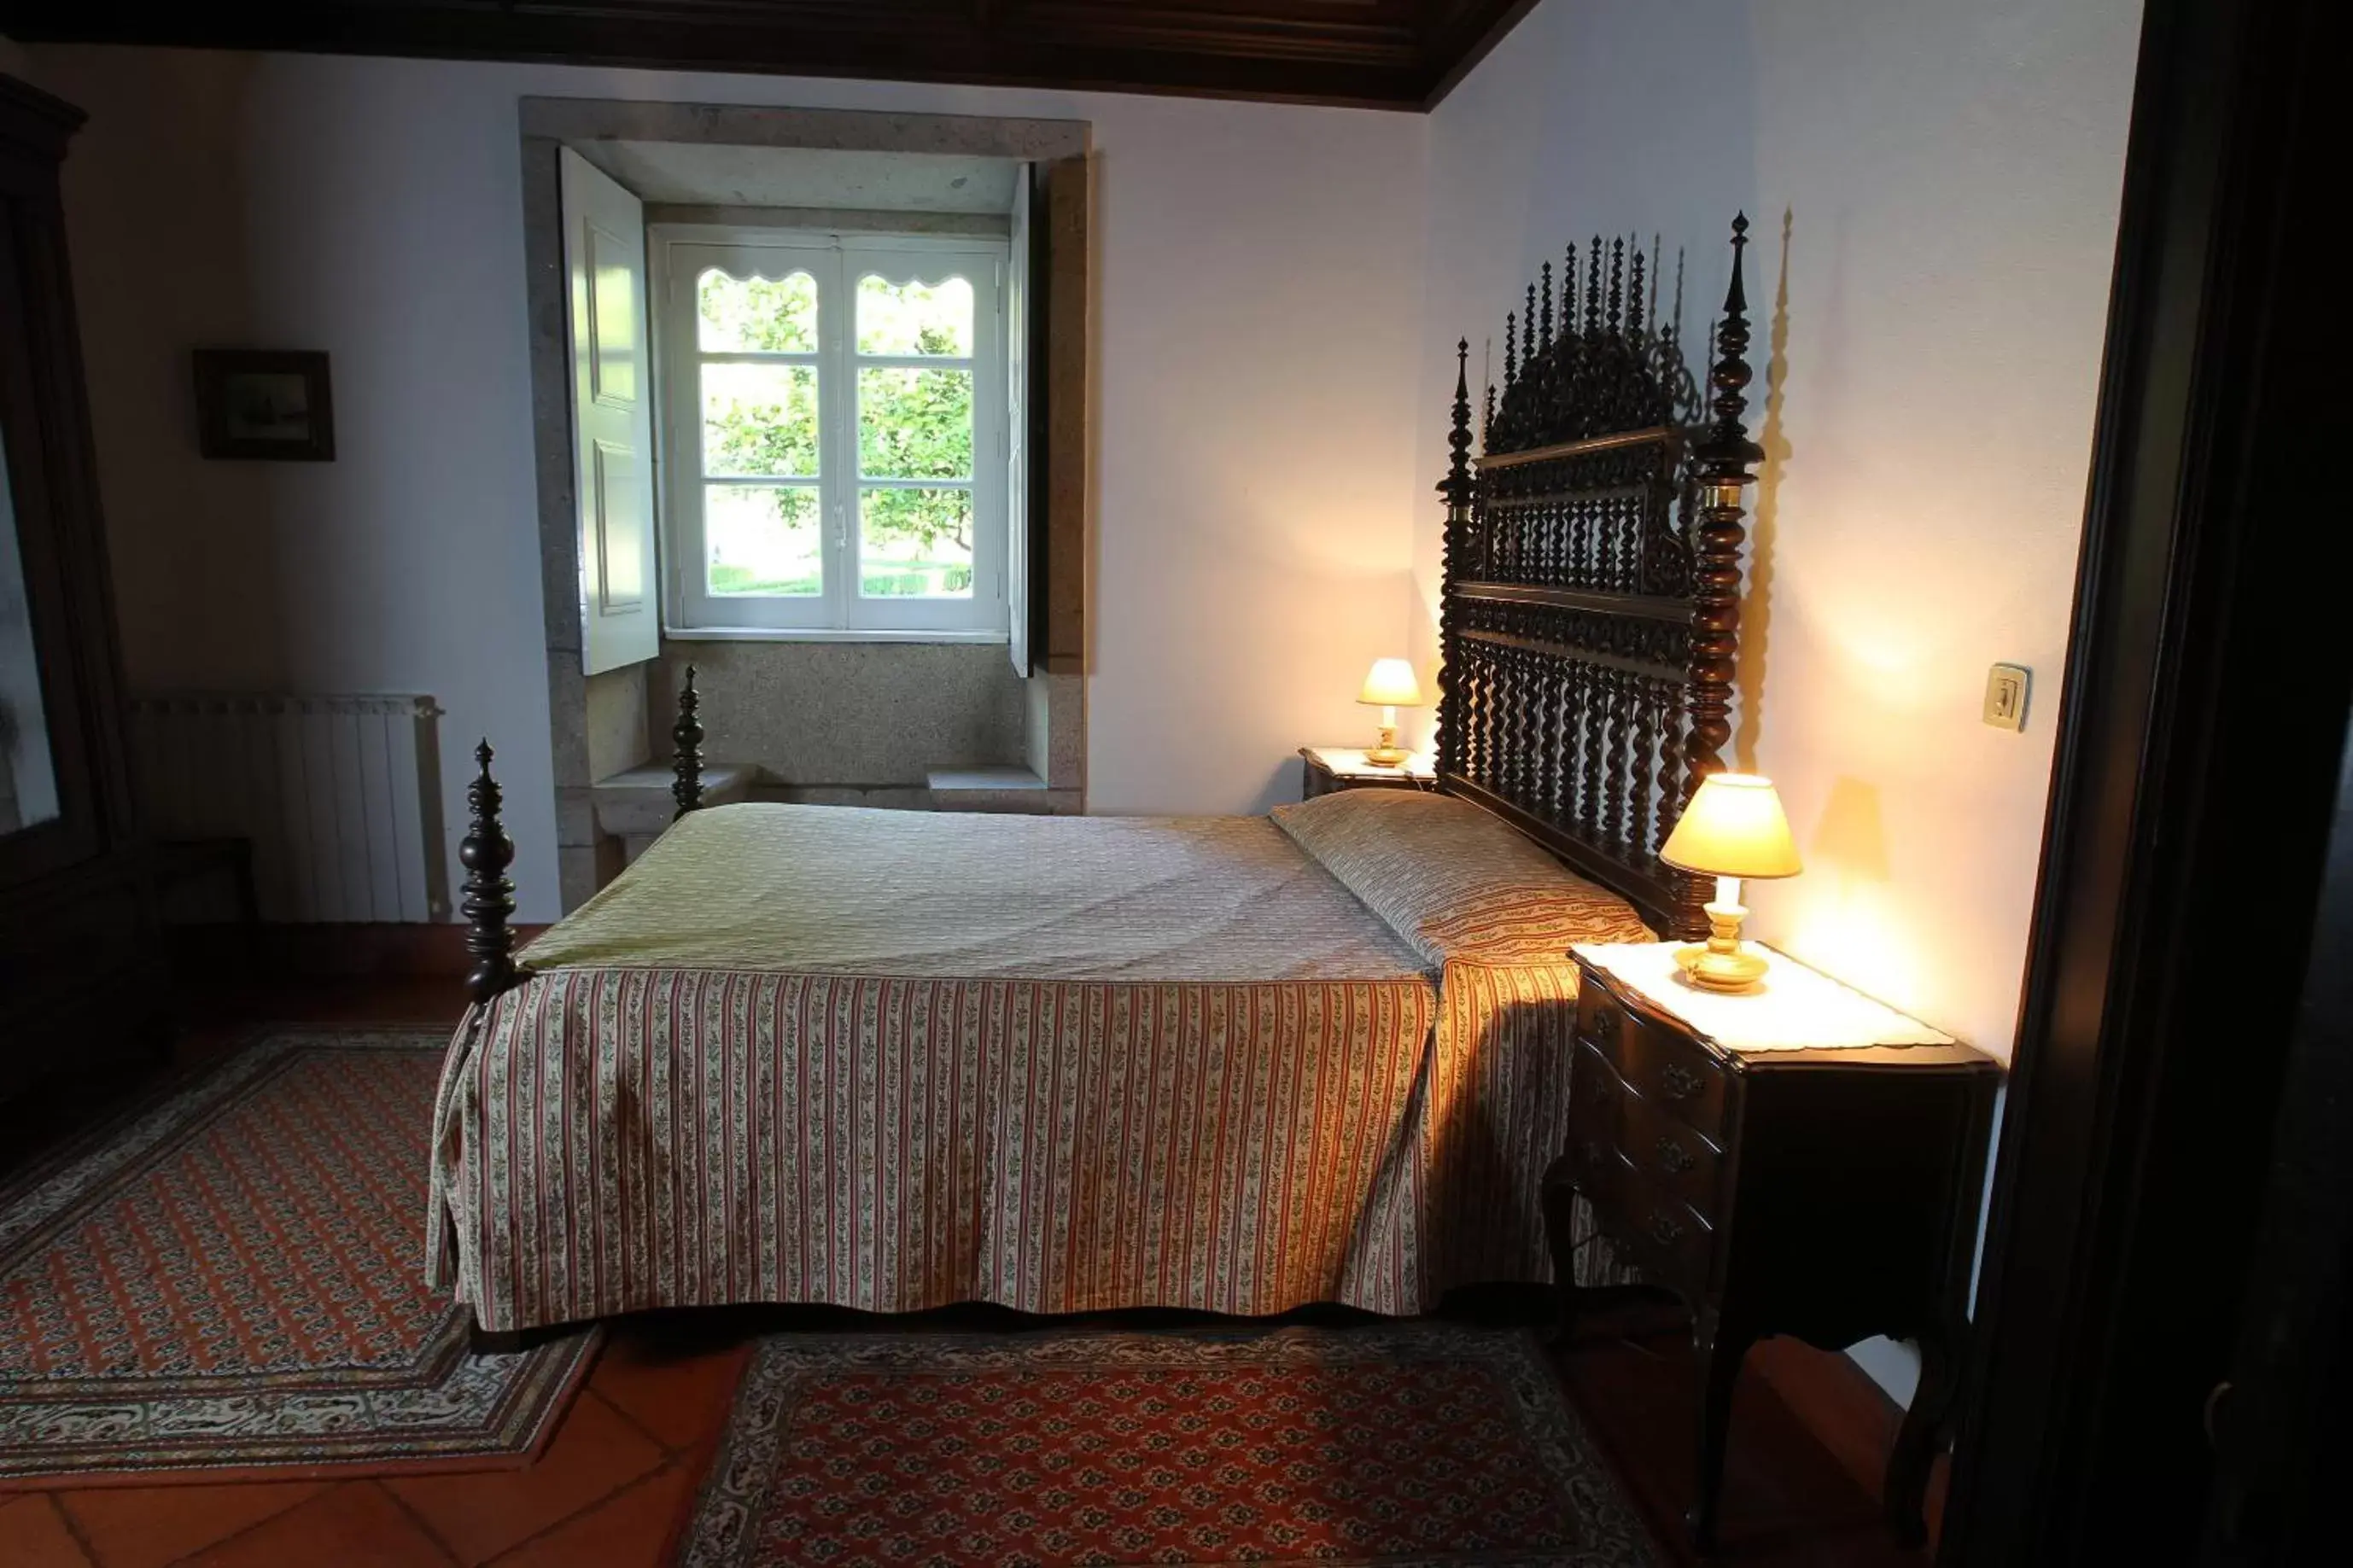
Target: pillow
<point>1453,879</point>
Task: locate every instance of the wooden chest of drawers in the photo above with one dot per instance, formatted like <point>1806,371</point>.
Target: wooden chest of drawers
<point>1830,1194</point>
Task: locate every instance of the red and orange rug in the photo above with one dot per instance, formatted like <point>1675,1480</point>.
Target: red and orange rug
<point>229,1283</point>
<point>1413,1443</point>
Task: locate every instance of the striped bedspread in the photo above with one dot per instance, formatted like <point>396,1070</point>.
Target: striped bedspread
<point>892,1061</point>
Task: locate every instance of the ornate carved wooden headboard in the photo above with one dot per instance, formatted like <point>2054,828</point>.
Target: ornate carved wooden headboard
<point>1590,599</point>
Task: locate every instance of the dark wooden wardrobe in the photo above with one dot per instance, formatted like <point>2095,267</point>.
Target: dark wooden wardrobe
<point>82,971</point>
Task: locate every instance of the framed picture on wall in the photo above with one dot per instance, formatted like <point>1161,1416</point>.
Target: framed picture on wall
<point>262,404</point>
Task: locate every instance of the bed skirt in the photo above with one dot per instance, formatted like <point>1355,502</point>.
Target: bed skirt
<point>609,1140</point>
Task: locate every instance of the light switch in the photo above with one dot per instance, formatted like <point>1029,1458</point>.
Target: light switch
<point>2005,696</point>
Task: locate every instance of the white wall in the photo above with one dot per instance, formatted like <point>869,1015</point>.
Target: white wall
<point>1257,274</point>
<point>1928,354</point>
<point>1950,175</point>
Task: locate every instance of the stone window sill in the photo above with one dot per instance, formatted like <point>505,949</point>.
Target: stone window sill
<point>827,633</point>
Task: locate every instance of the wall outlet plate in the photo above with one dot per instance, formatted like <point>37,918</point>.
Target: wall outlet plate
<point>2005,696</point>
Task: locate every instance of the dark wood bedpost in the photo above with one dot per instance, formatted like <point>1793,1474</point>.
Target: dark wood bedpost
<point>1457,490</point>
<point>1720,461</point>
<point>486,852</point>
<point>686,761</point>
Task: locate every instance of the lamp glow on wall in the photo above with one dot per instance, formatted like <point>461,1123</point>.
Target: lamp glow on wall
<point>1734,827</point>
<point>1389,685</point>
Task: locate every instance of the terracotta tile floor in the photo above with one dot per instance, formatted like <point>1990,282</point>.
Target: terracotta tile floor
<point>604,1492</point>
<point>608,1487</point>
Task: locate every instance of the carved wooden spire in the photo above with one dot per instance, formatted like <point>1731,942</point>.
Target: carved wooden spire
<point>1511,351</point>
<point>1675,312</point>
<point>1456,487</point>
<point>1721,460</point>
<point>1617,284</point>
<point>1653,307</point>
<point>1726,447</point>
<point>686,759</point>
<point>1546,339</point>
<point>1637,307</point>
<point>1459,489</point>
<point>486,852</point>
<point>1593,288</point>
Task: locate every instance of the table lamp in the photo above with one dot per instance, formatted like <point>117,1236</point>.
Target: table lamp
<point>1733,828</point>
<point>1389,685</point>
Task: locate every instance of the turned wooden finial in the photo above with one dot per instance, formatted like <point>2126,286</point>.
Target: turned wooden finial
<point>686,761</point>
<point>1724,452</point>
<point>486,852</point>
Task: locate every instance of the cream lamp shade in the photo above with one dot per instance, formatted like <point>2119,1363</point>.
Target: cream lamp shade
<point>1734,827</point>
<point>1389,685</point>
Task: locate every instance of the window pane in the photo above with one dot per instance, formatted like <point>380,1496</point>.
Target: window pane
<point>761,539</point>
<point>914,544</point>
<point>757,315</point>
<point>759,419</point>
<point>914,318</point>
<point>914,424</point>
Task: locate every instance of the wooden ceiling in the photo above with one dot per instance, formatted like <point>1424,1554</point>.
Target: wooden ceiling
<point>1397,53</point>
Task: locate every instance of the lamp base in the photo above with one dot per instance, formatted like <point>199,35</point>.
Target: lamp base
<point>1389,754</point>
<point>1718,964</point>
<point>1713,971</point>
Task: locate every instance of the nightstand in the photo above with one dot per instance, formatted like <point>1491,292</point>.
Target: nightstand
<point>1796,1160</point>
<point>1329,768</point>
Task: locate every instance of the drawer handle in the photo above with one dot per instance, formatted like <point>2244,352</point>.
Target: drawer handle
<point>1674,1156</point>
<point>1605,1026</point>
<point>1665,1231</point>
<point>1681,1081</point>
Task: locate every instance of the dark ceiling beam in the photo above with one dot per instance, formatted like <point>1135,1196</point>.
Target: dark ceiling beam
<point>1475,28</point>
<point>1385,54</point>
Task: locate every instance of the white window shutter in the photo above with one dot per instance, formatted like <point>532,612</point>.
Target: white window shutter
<point>1017,428</point>
<point>612,417</point>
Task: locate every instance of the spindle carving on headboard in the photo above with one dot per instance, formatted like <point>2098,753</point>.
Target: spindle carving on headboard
<point>1591,592</point>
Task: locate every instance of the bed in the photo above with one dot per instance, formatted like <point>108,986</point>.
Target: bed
<point>894,1060</point>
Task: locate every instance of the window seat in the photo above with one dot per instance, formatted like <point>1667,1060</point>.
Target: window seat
<point>635,805</point>
<point>1015,790</point>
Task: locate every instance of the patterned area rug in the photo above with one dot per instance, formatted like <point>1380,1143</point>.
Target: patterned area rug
<point>1403,1444</point>
<point>231,1279</point>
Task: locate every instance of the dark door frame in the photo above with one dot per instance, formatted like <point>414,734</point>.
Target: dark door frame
<point>2202,722</point>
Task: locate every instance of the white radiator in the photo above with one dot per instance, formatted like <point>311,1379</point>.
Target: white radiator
<point>340,795</point>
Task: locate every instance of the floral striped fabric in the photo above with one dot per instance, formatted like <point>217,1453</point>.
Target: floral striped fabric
<point>613,1137</point>
<point>1453,879</point>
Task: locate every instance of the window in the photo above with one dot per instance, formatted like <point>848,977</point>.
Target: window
<point>834,433</point>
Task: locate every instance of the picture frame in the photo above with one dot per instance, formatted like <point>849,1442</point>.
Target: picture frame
<point>265,404</point>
